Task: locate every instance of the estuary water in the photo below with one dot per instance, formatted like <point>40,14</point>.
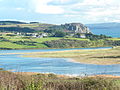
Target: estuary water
<point>63,66</point>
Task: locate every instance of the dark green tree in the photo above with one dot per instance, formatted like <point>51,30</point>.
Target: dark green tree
<point>60,34</point>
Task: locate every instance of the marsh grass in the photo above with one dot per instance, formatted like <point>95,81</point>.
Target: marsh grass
<point>98,56</point>
<point>13,81</point>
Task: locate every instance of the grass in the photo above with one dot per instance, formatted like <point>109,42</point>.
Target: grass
<point>41,40</point>
<point>38,44</point>
<point>101,56</point>
<point>114,39</point>
<point>19,81</point>
<point>27,25</point>
<point>11,45</point>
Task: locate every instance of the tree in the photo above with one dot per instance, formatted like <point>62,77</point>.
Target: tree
<point>60,34</point>
<point>96,37</point>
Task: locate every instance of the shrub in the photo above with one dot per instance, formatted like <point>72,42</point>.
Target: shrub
<point>112,43</point>
<point>3,39</point>
<point>11,81</point>
<point>11,35</point>
<point>96,37</point>
<point>83,84</point>
<point>60,34</point>
<point>28,43</point>
<point>66,43</point>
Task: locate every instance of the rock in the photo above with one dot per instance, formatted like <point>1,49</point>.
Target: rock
<point>77,28</point>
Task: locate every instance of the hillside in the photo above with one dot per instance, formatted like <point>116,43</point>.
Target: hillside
<point>42,27</point>
<point>11,22</point>
<point>27,42</point>
<point>109,29</point>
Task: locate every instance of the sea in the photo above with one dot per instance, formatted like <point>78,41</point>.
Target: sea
<point>109,29</point>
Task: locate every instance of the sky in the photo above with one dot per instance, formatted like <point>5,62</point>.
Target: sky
<point>61,11</point>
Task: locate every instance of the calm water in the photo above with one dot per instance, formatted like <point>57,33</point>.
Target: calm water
<point>52,65</point>
<point>110,29</point>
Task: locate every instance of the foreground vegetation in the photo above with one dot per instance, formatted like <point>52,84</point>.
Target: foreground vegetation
<point>24,81</point>
<point>98,56</point>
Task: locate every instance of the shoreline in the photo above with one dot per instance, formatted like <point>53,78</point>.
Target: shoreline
<point>68,75</point>
<point>83,62</point>
<point>64,49</point>
<point>54,48</point>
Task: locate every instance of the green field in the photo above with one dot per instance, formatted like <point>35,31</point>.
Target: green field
<point>38,42</point>
<point>26,25</point>
<point>27,42</point>
<point>10,44</point>
<point>114,39</point>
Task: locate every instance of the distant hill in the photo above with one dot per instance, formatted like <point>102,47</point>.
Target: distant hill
<point>16,29</point>
<point>104,25</point>
<point>110,29</point>
<point>11,22</point>
<point>22,26</point>
<point>36,27</point>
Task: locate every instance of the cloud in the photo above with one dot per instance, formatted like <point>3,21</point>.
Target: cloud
<point>82,10</point>
<point>49,9</point>
<point>52,6</point>
<point>96,10</point>
<point>64,1</point>
<point>42,6</point>
<point>89,10</point>
<point>19,8</point>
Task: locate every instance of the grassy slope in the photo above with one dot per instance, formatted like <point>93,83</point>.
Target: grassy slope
<point>114,39</point>
<point>38,44</point>
<point>11,45</point>
<point>28,25</point>
<point>101,57</point>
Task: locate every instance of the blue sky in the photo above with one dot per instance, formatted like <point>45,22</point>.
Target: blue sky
<point>61,11</point>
